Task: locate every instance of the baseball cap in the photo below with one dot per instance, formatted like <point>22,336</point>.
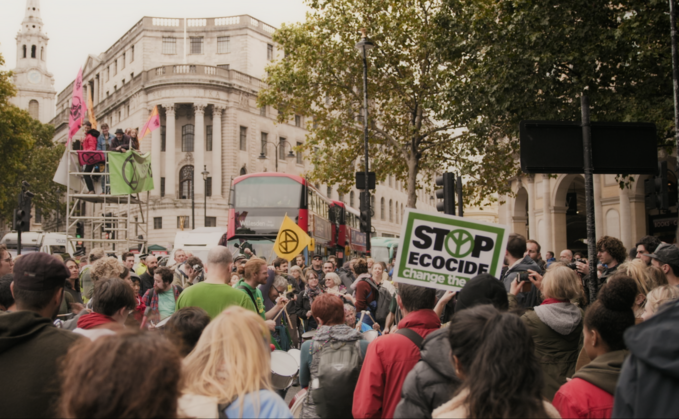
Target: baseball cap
<point>40,272</point>
<point>317,257</point>
<point>665,253</point>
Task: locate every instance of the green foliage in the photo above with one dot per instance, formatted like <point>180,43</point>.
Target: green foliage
<point>28,153</point>
<point>321,78</point>
<point>527,59</point>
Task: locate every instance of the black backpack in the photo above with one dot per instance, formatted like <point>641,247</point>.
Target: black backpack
<point>380,309</point>
<point>339,366</point>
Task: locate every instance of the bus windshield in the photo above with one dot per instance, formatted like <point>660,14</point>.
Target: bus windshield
<point>267,192</point>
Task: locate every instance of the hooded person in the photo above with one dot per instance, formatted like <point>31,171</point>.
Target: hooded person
<point>649,380</point>
<point>30,344</point>
<point>432,382</point>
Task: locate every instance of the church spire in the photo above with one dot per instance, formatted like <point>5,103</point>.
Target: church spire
<point>32,21</point>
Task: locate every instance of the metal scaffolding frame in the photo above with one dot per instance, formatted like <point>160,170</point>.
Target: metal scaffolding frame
<point>128,220</point>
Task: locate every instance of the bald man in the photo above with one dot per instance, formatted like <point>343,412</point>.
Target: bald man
<point>566,256</point>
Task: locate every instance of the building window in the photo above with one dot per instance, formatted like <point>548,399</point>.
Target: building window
<point>210,221</point>
<point>122,62</point>
<point>38,215</point>
<point>262,111</point>
<point>186,182</point>
<point>24,51</point>
<point>383,213</point>
<point>224,66</point>
<point>351,198</point>
<point>391,211</point>
<point>281,148</point>
<point>42,53</point>
<point>222,45</point>
<point>132,54</point>
<point>329,192</point>
<point>169,45</point>
<point>243,138</point>
<point>162,187</point>
<point>183,222</point>
<point>108,75</point>
<point>340,197</point>
<point>115,67</point>
<point>196,45</point>
<point>163,138</point>
<point>157,223</point>
<point>298,154</point>
<point>397,219</point>
<point>208,187</point>
<point>33,51</point>
<point>187,138</point>
<point>269,52</point>
<point>265,138</point>
<point>298,121</point>
<point>34,109</point>
<point>208,138</point>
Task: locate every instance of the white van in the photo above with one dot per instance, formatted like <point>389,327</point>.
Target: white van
<point>198,242</point>
<point>38,241</point>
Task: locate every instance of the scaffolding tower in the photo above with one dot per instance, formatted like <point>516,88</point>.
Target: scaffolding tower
<point>117,223</point>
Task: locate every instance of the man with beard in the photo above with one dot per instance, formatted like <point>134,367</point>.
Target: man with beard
<point>30,344</point>
<point>147,277</point>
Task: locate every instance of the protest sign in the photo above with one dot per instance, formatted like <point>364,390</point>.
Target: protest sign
<point>130,172</point>
<point>445,251</point>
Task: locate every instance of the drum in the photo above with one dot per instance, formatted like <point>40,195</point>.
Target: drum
<point>308,335</point>
<point>284,368</point>
<point>297,354</point>
<point>370,335</point>
<point>297,402</point>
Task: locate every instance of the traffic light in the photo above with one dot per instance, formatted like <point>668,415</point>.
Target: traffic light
<point>22,215</point>
<point>79,232</point>
<point>447,193</point>
<point>656,191</point>
<point>365,212</point>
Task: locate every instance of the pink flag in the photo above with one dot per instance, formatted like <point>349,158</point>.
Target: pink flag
<point>75,121</point>
<point>151,125</point>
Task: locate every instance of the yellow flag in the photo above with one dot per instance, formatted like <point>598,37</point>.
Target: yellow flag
<point>291,240</point>
<point>90,109</point>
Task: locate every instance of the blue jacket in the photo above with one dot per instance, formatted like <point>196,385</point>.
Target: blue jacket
<point>101,141</point>
<point>270,406</point>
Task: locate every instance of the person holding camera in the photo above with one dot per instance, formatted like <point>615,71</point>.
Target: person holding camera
<point>194,269</point>
<point>519,265</point>
<point>555,325</point>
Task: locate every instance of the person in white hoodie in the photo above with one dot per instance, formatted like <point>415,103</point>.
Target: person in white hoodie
<point>556,324</point>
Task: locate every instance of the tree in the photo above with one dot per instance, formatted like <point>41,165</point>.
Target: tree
<point>533,60</point>
<point>28,153</point>
<point>321,77</point>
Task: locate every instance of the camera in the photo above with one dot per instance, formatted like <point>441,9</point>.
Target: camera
<point>523,276</point>
<point>573,266</point>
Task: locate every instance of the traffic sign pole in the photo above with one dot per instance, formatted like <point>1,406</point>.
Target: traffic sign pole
<point>592,280</point>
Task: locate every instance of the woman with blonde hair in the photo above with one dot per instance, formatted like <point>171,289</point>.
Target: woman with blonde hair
<point>229,374</point>
<point>637,271</point>
<point>555,325</point>
<point>657,276</point>
<point>657,297</point>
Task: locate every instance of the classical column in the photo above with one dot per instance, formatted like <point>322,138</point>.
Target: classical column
<point>598,209</point>
<point>217,151</point>
<point>170,148</point>
<point>532,224</point>
<point>199,149</point>
<point>95,92</point>
<point>155,161</point>
<point>547,213</point>
<point>625,219</point>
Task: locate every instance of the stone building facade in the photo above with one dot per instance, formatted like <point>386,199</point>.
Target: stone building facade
<point>204,75</point>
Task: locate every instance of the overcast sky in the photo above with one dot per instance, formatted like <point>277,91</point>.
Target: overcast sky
<point>77,28</point>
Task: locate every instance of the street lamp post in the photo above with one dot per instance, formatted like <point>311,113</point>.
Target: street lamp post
<point>193,200</point>
<point>205,174</point>
<point>290,155</point>
<point>364,46</point>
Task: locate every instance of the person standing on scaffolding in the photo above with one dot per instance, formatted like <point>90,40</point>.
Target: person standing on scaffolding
<point>89,144</point>
<point>104,144</point>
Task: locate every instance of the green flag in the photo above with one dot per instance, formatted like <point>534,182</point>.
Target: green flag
<point>130,172</point>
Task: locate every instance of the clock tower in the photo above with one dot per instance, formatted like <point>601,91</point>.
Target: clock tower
<point>35,85</point>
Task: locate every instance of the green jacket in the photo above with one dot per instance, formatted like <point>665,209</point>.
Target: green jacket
<point>556,352</point>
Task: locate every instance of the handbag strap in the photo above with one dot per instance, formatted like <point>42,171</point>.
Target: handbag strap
<point>413,336</point>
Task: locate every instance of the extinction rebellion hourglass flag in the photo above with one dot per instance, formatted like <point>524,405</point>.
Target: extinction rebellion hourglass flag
<point>151,125</point>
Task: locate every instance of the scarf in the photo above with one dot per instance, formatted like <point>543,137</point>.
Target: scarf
<point>92,320</point>
<point>553,301</point>
<point>313,293</point>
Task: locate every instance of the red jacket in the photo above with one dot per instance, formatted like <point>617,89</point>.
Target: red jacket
<point>388,360</point>
<point>581,399</point>
<point>90,142</point>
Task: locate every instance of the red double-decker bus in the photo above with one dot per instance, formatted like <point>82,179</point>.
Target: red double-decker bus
<point>259,203</point>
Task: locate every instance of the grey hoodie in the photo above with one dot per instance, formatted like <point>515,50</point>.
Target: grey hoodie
<point>563,318</point>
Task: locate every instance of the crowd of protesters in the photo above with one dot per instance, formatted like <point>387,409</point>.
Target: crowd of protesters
<point>102,336</point>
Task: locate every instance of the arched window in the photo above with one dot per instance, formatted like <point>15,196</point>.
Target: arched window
<point>391,211</point>
<point>185,182</point>
<point>243,171</point>
<point>34,109</point>
<point>383,213</point>
<point>24,51</point>
<point>351,199</point>
<point>33,50</point>
<point>329,192</point>
<point>187,138</point>
<point>398,220</point>
<point>401,213</point>
<point>42,53</point>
